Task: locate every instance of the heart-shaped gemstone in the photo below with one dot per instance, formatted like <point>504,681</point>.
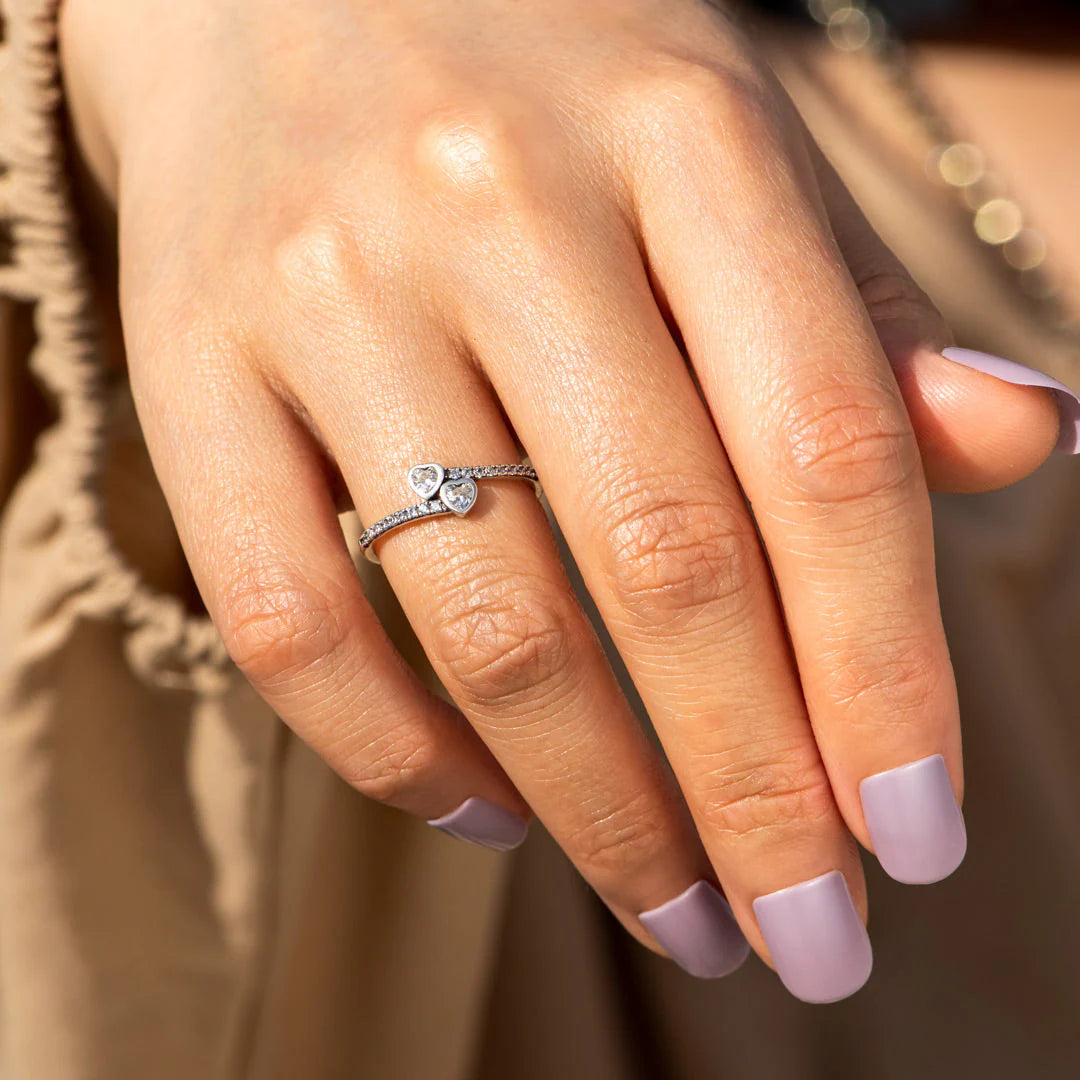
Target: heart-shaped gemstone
<point>426,479</point>
<point>458,495</point>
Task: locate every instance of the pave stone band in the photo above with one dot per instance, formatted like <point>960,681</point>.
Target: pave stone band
<point>450,490</point>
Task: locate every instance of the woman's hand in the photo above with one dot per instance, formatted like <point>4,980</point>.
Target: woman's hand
<point>375,234</point>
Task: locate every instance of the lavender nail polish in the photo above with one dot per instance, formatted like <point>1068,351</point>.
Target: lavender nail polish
<point>816,939</point>
<point>914,821</point>
<point>1010,371</point>
<point>698,932</point>
<point>484,823</point>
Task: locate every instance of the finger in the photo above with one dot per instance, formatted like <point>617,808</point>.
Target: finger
<point>255,516</point>
<point>598,391</point>
<point>491,603</point>
<point>817,430</point>
<point>980,425</point>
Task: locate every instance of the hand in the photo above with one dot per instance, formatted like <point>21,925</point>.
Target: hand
<point>364,235</point>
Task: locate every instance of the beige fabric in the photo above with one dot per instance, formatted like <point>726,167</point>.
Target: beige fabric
<point>186,892</point>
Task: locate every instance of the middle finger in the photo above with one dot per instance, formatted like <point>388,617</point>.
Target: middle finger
<point>640,483</point>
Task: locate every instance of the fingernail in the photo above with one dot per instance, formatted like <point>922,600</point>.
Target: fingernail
<point>816,939</point>
<point>483,822</point>
<point>1068,401</point>
<point>698,932</point>
<point>914,821</point>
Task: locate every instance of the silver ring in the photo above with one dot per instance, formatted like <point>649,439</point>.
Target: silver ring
<point>443,491</point>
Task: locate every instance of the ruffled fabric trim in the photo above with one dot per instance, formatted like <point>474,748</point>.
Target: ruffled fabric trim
<point>164,643</point>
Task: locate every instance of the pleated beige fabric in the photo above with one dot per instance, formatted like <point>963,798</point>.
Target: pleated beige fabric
<point>186,892</point>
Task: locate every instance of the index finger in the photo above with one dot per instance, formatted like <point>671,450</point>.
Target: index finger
<point>815,425</point>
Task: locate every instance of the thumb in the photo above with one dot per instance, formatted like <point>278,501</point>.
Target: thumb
<point>982,422</point>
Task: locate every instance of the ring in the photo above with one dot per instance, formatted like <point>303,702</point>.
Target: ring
<point>449,490</point>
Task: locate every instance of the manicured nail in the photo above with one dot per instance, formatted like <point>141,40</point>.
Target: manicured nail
<point>483,823</point>
<point>914,821</point>
<point>1068,401</point>
<point>816,939</point>
<point>698,932</point>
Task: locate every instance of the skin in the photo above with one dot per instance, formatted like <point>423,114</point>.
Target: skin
<point>356,235</point>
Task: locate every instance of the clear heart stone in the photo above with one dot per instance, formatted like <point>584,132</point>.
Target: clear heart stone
<point>458,495</point>
<point>425,479</point>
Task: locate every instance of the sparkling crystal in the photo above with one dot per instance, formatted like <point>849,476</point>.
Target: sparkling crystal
<point>425,479</point>
<point>458,495</point>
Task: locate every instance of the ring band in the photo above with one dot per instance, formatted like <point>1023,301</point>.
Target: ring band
<point>450,490</point>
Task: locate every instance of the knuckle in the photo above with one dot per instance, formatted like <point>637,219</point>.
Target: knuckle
<point>469,154</point>
<point>747,796</point>
<point>183,336</point>
<point>391,774</point>
<point>610,850</point>
<point>690,105</point>
<point>891,296</point>
<point>280,629</point>
<point>844,443</point>
<point>672,558</point>
<point>503,640</point>
<point>318,260</point>
<point>899,675</point>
